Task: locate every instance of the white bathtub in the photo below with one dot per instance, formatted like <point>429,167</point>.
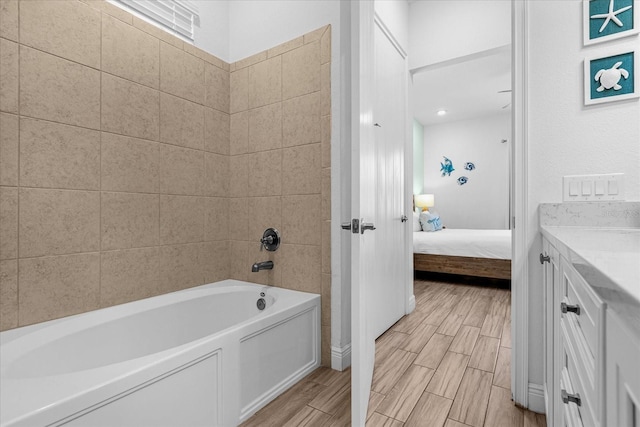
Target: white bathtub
<point>205,356</point>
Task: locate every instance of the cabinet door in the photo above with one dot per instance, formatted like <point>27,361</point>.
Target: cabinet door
<point>622,374</point>
<point>551,280</point>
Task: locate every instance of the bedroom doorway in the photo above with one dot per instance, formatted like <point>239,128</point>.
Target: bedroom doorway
<point>435,34</point>
<point>359,402</point>
<point>431,31</point>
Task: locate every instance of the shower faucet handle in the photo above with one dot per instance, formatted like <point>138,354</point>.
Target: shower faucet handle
<point>264,241</point>
<point>270,240</point>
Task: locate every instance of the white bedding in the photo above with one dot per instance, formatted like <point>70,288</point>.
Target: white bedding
<point>460,242</point>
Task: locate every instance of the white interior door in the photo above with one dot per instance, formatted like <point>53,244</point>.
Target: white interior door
<point>389,116</point>
<point>363,191</point>
<point>377,185</point>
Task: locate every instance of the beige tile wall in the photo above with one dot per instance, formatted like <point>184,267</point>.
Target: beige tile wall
<point>114,161</point>
<point>133,164</point>
<point>280,167</point>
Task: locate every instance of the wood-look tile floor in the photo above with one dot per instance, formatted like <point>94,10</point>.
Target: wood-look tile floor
<point>446,364</point>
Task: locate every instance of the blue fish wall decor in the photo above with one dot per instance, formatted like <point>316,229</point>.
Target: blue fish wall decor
<point>469,166</point>
<point>447,167</point>
<point>462,180</point>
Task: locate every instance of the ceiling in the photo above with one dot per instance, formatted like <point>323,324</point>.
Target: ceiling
<point>467,87</point>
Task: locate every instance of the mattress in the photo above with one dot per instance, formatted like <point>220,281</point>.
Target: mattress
<point>461,242</point>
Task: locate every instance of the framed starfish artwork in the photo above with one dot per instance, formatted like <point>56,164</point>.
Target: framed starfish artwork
<point>611,78</point>
<point>609,19</point>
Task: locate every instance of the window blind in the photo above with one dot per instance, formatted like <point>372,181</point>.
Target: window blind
<point>178,16</point>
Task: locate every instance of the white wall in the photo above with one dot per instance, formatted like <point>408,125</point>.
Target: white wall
<point>212,35</point>
<point>234,30</point>
<point>482,203</point>
<point>442,19</point>
<point>257,25</point>
<point>565,137</point>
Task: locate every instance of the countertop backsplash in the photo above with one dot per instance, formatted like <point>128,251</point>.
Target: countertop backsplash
<point>616,214</point>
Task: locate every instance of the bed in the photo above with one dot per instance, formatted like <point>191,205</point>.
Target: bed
<point>481,253</point>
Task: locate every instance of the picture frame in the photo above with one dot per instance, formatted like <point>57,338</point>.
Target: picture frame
<point>612,77</point>
<point>605,20</point>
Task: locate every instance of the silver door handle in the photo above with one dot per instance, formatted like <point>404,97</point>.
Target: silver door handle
<point>354,226</point>
<point>404,218</point>
<point>367,226</point>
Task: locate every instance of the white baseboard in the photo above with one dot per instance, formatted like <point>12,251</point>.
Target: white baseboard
<point>536,398</point>
<point>341,357</point>
<point>411,305</point>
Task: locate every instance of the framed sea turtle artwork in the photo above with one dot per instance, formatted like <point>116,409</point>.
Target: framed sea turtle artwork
<point>609,19</point>
<point>611,78</point>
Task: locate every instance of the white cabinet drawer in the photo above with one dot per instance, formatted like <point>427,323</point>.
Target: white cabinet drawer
<point>576,294</point>
<point>570,413</point>
<point>576,375</point>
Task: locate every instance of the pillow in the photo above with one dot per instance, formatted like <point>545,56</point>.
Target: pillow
<point>416,222</point>
<point>430,221</point>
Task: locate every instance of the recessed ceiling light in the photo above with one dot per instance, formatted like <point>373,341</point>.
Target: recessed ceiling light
<point>441,112</point>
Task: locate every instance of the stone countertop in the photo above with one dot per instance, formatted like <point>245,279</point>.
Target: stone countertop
<point>608,258</point>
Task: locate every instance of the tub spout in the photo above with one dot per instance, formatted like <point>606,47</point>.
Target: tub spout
<point>264,265</point>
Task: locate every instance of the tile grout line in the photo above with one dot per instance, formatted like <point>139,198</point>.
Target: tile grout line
<point>127,79</point>
<point>160,151</point>
<point>18,185</point>
<point>123,135</point>
<point>282,214</point>
<point>100,293</point>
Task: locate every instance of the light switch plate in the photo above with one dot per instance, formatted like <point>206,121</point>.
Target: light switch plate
<point>585,188</point>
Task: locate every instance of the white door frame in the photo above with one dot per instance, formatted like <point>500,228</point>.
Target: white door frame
<point>519,197</point>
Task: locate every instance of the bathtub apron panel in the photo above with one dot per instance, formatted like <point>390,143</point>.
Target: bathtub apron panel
<point>191,396</point>
<point>275,358</point>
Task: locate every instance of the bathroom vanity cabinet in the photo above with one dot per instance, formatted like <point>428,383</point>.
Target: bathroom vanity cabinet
<point>574,344</point>
<point>592,326</point>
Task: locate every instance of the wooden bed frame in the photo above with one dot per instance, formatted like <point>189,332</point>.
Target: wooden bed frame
<point>467,266</point>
